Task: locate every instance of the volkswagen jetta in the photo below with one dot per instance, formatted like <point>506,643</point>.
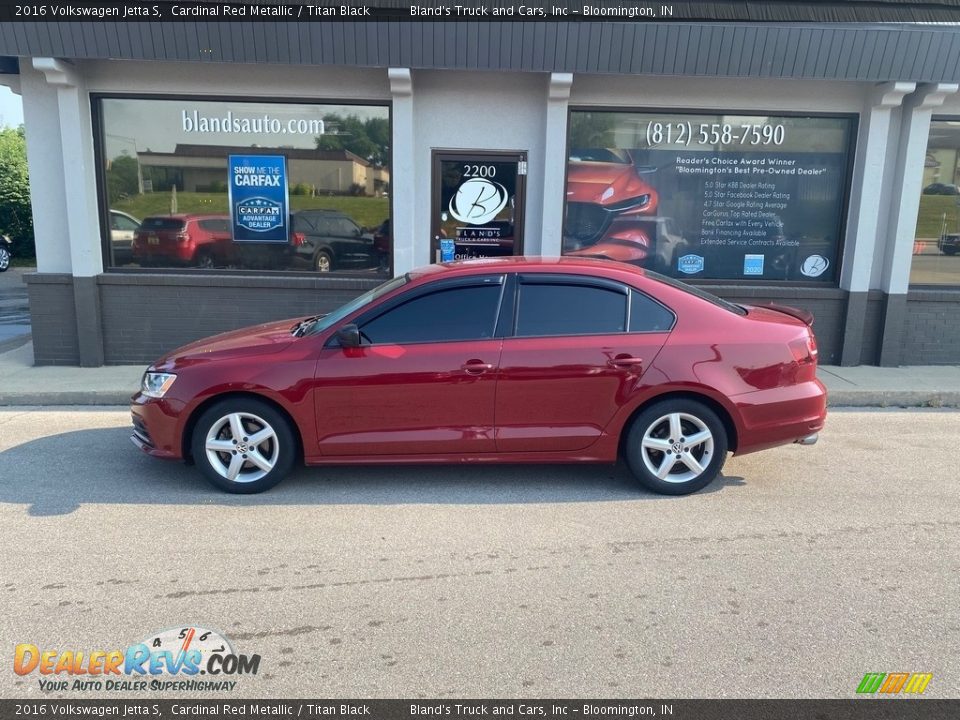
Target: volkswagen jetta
<point>520,360</point>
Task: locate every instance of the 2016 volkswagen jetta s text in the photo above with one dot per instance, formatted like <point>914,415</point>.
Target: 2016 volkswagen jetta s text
<point>506,360</point>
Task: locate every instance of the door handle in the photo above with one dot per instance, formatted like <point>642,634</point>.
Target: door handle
<point>476,367</point>
<point>624,362</point>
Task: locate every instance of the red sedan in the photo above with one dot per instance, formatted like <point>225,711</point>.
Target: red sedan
<point>502,360</point>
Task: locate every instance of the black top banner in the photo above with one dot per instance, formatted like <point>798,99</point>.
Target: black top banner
<point>770,11</point>
<point>859,709</point>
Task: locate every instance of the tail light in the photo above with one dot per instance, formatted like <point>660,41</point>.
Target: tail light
<point>298,239</point>
<point>804,351</point>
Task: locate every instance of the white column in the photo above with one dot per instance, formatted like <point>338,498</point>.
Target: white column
<point>79,175</point>
<point>407,253</point>
<point>870,192</point>
<point>554,188</point>
<point>905,189</point>
<point>41,121</point>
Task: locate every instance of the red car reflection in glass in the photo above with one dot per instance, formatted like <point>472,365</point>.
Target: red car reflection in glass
<point>606,196</point>
<point>500,360</point>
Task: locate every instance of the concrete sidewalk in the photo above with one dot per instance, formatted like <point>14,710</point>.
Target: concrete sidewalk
<point>23,384</point>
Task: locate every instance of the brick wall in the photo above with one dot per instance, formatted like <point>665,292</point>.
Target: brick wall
<point>145,316</point>
<point>931,328</point>
<point>53,319</point>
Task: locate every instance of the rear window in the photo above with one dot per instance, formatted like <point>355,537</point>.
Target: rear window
<point>696,292</point>
<point>162,223</point>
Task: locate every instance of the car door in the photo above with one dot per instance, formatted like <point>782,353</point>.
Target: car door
<point>423,380</point>
<point>579,350</point>
<point>352,248</point>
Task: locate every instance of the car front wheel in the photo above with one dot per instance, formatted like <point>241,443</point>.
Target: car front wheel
<point>676,447</point>
<point>323,262</point>
<point>243,445</point>
<point>4,259</point>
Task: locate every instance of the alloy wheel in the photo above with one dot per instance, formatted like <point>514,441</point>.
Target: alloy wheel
<point>4,259</point>
<point>323,263</point>
<point>677,447</point>
<point>242,447</point>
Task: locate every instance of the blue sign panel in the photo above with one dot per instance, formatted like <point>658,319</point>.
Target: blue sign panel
<point>259,205</point>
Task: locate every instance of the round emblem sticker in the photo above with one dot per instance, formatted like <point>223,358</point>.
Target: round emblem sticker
<point>814,266</point>
<point>478,201</point>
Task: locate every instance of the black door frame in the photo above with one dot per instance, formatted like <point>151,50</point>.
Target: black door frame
<point>439,155</point>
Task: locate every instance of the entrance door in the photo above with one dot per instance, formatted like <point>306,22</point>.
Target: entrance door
<point>478,204</point>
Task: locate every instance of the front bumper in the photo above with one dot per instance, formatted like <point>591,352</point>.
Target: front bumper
<point>157,427</point>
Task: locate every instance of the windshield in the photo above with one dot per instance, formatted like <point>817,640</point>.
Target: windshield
<point>327,321</point>
<point>604,155</point>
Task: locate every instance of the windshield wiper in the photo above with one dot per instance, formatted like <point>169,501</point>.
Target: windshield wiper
<point>301,327</point>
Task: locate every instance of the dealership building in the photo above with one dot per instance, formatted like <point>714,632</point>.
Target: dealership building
<point>190,178</point>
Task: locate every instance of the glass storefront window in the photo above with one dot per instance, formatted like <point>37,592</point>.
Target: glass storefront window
<point>696,196</point>
<point>936,247</point>
<point>225,184</point>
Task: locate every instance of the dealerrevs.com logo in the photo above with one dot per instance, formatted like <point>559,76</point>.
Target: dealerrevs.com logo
<point>894,683</point>
<point>177,659</point>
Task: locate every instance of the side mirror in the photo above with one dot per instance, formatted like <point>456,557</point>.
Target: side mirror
<point>349,336</point>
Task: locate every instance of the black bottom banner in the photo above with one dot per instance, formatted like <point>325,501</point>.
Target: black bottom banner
<point>853,709</point>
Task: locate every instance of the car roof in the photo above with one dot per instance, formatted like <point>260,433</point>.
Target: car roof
<point>187,216</point>
<point>517,263</point>
<point>319,211</point>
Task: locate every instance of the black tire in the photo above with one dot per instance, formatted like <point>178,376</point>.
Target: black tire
<point>323,261</point>
<point>655,423</point>
<point>279,451</point>
<point>204,259</point>
<point>949,250</point>
<point>4,259</point>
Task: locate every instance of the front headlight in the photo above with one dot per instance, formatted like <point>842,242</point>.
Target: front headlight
<point>156,384</point>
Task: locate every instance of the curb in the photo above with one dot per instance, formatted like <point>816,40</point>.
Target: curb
<point>893,398</point>
<point>84,397</point>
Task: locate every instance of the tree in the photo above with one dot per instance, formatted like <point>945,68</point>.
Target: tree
<point>16,216</point>
<point>122,178</point>
<point>592,130</point>
<point>370,138</point>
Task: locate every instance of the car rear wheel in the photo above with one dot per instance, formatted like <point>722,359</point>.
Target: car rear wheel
<point>676,447</point>
<point>323,262</point>
<point>4,259</point>
<point>243,445</point>
<point>204,260</point>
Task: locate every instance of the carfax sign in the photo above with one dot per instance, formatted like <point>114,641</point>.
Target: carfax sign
<point>259,204</point>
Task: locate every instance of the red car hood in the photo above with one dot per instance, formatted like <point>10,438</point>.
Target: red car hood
<point>587,182</point>
<point>259,339</point>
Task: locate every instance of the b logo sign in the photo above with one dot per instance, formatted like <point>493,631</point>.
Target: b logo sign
<point>814,266</point>
<point>478,201</point>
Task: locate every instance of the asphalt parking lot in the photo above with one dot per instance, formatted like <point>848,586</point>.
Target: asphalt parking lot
<point>797,572</point>
<point>14,307</point>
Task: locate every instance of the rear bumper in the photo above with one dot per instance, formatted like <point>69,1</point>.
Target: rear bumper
<point>781,416</point>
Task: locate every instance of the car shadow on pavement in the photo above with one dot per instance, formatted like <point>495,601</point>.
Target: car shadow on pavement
<point>57,474</point>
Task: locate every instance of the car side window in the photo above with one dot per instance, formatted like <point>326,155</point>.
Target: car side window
<point>647,315</point>
<point>215,225</point>
<point>570,309</point>
<point>304,224</point>
<point>458,313</point>
<point>344,228</point>
<point>120,222</point>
